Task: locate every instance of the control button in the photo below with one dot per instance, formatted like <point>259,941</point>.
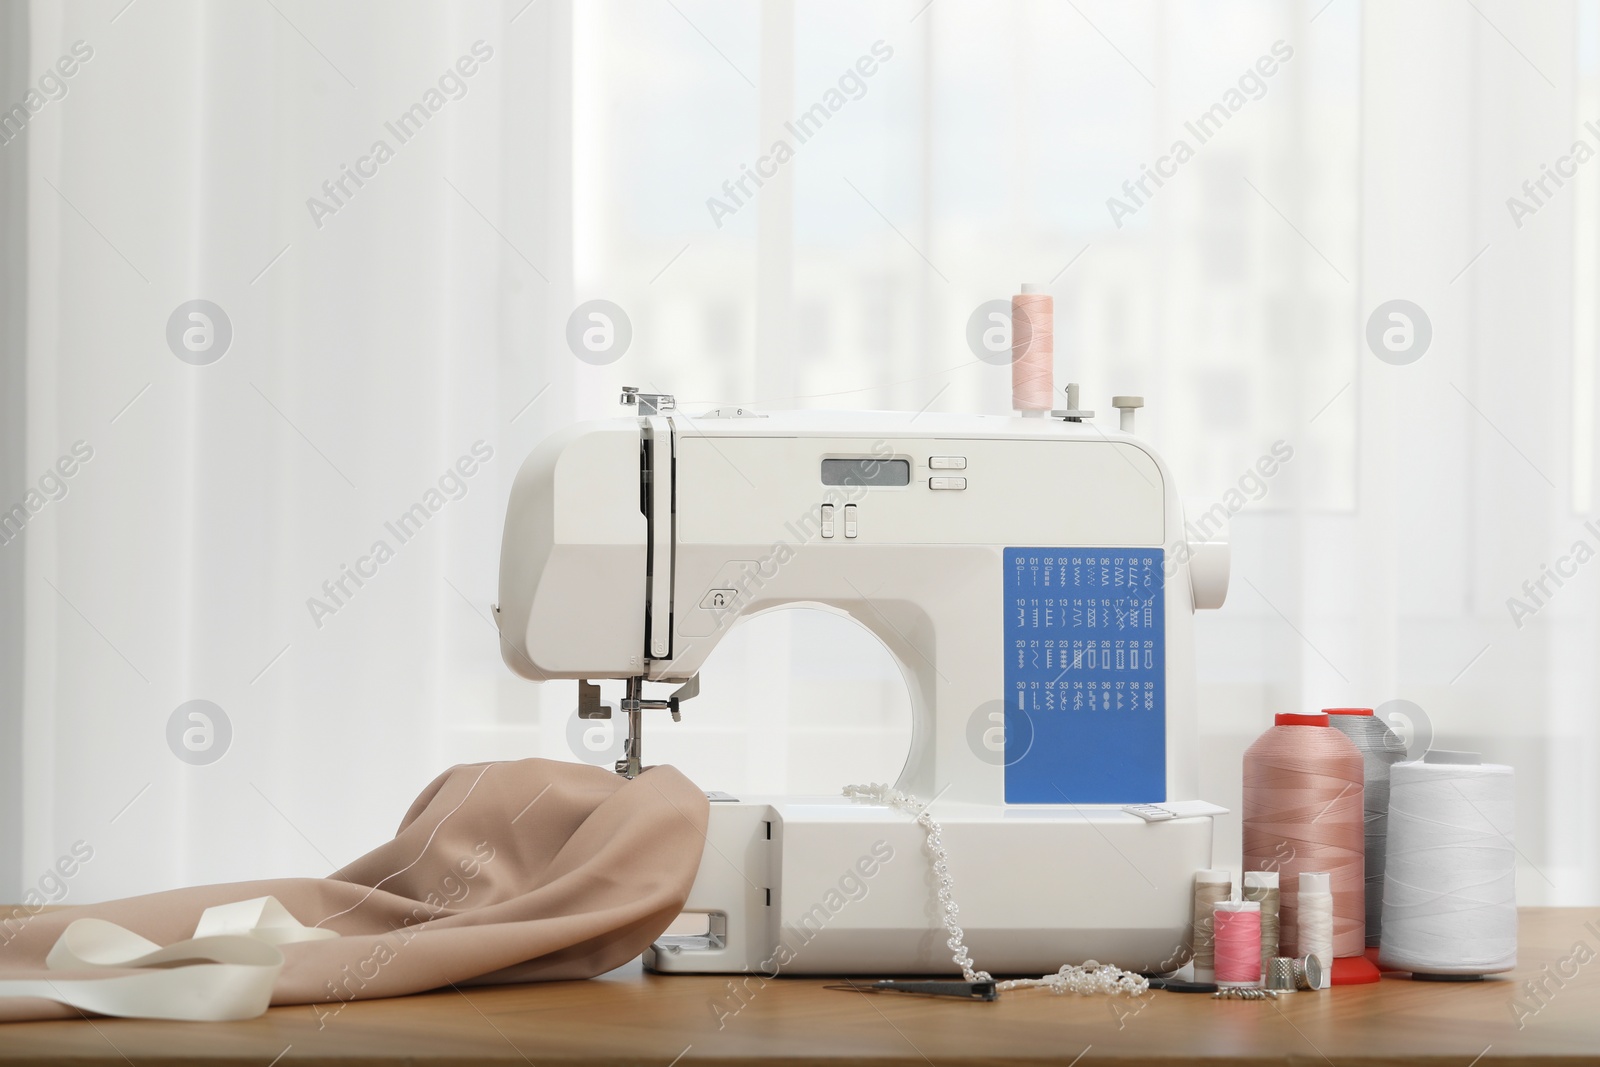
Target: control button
<point>849,520</point>
<point>718,598</point>
<point>948,463</point>
<point>827,520</point>
<point>947,483</point>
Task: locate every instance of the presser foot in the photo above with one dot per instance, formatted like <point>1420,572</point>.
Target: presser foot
<point>634,705</point>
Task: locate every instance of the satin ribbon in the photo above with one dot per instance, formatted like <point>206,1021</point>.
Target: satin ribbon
<point>226,971</point>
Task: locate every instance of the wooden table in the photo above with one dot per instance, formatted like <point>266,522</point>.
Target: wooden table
<point>654,1020</point>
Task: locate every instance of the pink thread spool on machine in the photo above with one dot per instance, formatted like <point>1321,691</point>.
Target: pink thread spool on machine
<point>1033,351</point>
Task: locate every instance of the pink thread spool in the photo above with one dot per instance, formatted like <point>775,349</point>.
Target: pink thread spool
<point>1238,942</point>
<point>1033,350</point>
<point>1303,789</point>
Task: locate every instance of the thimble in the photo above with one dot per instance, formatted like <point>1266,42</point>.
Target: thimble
<point>1281,974</point>
<point>1289,975</point>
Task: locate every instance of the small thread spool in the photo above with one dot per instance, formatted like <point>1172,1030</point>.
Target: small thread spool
<point>1262,887</point>
<point>1380,749</point>
<point>1211,887</point>
<point>1033,350</point>
<point>1449,898</point>
<point>1238,943</point>
<point>1303,787</point>
<point>1316,917</point>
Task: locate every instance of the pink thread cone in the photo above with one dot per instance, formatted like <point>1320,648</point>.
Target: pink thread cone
<point>1303,812</point>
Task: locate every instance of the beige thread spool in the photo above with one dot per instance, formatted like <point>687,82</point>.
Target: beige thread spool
<point>1262,887</point>
<point>1211,887</point>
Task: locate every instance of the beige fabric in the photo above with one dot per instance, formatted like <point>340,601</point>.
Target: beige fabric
<point>532,870</point>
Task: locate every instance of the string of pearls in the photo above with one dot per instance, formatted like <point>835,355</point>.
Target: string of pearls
<point>1091,977</point>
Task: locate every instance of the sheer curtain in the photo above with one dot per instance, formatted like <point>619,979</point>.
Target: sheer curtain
<point>203,551</point>
<point>1341,156</point>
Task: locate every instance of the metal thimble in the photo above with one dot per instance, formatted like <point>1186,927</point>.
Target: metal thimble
<point>1289,975</point>
<point>1312,973</point>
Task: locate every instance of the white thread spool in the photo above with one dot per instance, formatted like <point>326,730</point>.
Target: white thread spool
<point>1316,921</point>
<point>1449,895</point>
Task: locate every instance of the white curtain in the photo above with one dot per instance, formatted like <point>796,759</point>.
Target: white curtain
<point>371,349</point>
<point>381,330</point>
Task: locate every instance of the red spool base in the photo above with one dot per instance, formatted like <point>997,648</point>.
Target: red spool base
<point>1354,970</point>
<point>1372,954</point>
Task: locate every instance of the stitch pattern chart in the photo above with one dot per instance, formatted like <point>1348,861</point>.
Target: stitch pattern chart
<point>1086,664</point>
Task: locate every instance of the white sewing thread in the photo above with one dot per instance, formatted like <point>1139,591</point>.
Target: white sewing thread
<point>1449,898</point>
<point>1087,978</point>
<point>431,835</point>
<point>1316,925</point>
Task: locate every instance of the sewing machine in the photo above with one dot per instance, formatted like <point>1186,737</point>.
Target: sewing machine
<point>1035,582</point>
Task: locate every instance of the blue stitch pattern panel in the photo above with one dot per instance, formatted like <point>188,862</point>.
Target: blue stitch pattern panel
<point>1085,677</point>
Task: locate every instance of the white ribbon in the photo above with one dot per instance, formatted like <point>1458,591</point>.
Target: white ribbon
<point>226,971</point>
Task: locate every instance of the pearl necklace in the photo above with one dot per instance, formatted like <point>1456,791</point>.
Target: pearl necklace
<point>1090,977</point>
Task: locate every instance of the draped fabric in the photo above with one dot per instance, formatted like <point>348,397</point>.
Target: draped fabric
<point>534,870</point>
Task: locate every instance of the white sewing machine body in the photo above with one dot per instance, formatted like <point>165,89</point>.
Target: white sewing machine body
<point>1029,572</point>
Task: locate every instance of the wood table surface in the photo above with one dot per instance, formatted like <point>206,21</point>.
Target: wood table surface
<point>633,1017</point>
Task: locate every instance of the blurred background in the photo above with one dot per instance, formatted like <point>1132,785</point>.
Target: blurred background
<point>239,338</point>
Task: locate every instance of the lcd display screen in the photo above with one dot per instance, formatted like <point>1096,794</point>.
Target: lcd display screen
<point>866,471</point>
